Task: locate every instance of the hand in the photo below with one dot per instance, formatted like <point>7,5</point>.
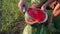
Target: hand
<point>56,11</point>
<point>43,8</point>
<point>20,5</point>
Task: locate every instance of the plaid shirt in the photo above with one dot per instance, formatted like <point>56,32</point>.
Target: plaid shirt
<point>39,1</point>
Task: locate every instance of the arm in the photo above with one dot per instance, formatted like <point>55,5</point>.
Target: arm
<point>21,4</point>
<point>46,4</point>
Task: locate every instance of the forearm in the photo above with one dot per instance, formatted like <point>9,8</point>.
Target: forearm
<point>47,3</point>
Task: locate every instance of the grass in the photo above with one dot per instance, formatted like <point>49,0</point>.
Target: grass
<point>11,21</point>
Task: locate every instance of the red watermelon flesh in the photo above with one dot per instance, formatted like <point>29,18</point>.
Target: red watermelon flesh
<point>37,14</point>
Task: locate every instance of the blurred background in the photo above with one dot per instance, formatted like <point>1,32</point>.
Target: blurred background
<point>11,20</point>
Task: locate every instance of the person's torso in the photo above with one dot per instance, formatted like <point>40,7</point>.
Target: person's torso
<point>56,22</point>
<point>38,3</point>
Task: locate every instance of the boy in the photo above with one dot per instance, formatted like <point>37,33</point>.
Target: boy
<point>33,28</point>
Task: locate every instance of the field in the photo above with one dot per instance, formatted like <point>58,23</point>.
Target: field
<point>11,20</point>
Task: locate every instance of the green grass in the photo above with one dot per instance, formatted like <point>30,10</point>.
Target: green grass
<point>11,21</point>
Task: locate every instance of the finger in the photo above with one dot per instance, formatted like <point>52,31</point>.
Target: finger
<point>56,8</point>
<point>57,13</point>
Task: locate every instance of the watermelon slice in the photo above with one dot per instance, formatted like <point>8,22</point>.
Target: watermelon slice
<point>37,14</point>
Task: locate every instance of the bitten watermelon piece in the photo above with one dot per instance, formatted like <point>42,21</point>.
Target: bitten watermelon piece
<point>37,14</point>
